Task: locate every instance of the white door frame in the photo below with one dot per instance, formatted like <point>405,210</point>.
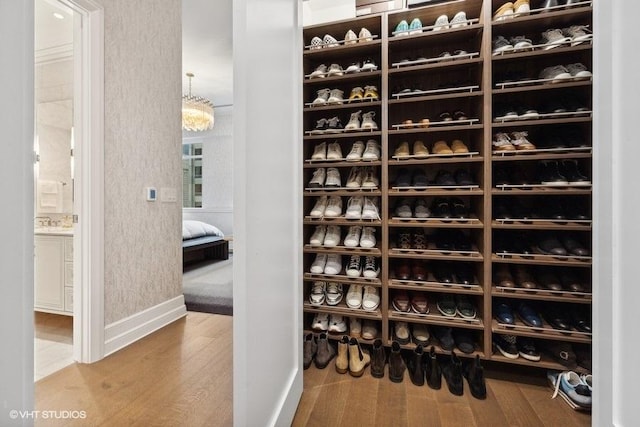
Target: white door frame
<point>88,258</point>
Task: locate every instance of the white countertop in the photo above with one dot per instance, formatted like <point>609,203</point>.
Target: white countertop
<point>54,231</point>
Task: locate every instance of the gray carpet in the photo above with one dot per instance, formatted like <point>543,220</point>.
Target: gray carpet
<point>208,287</point>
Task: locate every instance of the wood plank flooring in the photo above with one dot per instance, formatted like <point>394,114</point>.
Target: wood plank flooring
<point>514,398</point>
<point>180,375</point>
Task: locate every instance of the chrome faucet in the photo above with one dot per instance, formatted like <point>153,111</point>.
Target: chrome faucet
<point>44,221</point>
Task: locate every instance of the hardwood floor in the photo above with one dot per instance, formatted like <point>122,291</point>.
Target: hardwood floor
<point>513,399</point>
<point>178,376</point>
<point>53,346</point>
<point>182,376</point>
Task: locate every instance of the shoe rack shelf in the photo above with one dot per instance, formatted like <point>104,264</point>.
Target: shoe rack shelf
<point>419,76</point>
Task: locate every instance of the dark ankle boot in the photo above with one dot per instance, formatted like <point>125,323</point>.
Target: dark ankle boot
<point>309,350</point>
<point>416,371</point>
<point>433,371</point>
<point>396,364</point>
<point>474,373</point>
<point>378,359</point>
<point>452,372</point>
<point>325,352</point>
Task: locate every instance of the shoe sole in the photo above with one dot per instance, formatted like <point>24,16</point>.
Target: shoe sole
<point>358,373</point>
<point>555,183</point>
<point>529,357</point>
<point>502,49</point>
<point>444,313</point>
<point>506,354</point>
<point>396,379</point>
<point>375,374</point>
<point>342,371</point>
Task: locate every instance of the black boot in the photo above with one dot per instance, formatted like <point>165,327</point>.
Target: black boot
<point>378,359</point>
<point>396,364</point>
<point>433,371</point>
<point>416,371</point>
<point>474,373</point>
<point>452,372</point>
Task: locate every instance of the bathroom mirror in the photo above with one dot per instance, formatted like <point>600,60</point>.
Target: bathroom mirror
<point>54,133</point>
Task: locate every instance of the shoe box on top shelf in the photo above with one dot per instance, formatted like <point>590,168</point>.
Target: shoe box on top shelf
<point>368,7</point>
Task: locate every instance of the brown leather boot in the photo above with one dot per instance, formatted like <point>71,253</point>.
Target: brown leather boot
<point>358,359</point>
<point>396,364</point>
<point>342,361</point>
<point>378,359</point>
<point>325,352</point>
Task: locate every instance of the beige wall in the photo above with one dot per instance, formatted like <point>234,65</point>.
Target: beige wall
<point>143,62</point>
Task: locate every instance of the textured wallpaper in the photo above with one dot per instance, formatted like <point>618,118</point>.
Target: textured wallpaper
<point>143,63</point>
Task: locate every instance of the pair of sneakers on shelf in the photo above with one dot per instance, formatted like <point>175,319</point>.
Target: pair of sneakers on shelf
<point>367,121</point>
<point>329,264</point>
<point>366,297</point>
<point>365,266</point>
<point>350,38</point>
<point>329,236</point>
<point>362,177</point>
<point>336,70</point>
<point>323,322</point>
<point>503,141</point>
<point>359,151</point>
<point>363,36</point>
<point>325,178</point>
<point>325,292</point>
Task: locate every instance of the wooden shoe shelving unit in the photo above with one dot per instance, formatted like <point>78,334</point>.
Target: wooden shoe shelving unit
<point>423,87</point>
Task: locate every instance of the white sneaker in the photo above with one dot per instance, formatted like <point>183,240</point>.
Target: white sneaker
<point>318,178</point>
<point>320,152</point>
<point>334,293</point>
<point>334,207</point>
<point>320,71</point>
<point>330,41</point>
<point>459,20</point>
<point>370,298</point>
<point>323,96</point>
<point>353,236</point>
<point>332,237</point>
<point>370,179</point>
<point>317,297</point>
<point>369,330</point>
<point>335,70</point>
<point>356,151</point>
<point>354,207</point>
<point>333,178</point>
<point>367,121</point>
<point>353,68</point>
<point>368,65</point>
<point>337,324</point>
<point>371,267</point>
<point>365,35</point>
<point>318,235</point>
<point>354,296</point>
<point>350,37</point>
<point>335,96</point>
<point>354,268</point>
<point>372,151</point>
<point>356,176</point>
<point>442,23</point>
<point>318,209</point>
<point>333,265</point>
<point>320,322</point>
<point>317,267</point>
<point>370,208</point>
<point>334,151</point>
<point>354,121</point>
<point>368,237</point>
<point>355,327</point>
<point>316,43</point>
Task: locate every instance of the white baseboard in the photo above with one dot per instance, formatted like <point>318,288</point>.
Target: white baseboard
<point>286,408</point>
<point>120,334</point>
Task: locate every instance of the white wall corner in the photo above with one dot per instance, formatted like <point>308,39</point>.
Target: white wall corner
<point>129,330</point>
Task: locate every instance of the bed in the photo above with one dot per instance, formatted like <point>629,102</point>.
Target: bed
<point>202,241</point>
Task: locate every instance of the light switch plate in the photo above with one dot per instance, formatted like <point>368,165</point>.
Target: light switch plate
<point>168,195</point>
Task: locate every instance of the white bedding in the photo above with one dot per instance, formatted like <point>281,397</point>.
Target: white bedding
<point>193,229</point>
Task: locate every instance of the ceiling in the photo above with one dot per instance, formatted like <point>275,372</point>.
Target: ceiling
<point>206,43</point>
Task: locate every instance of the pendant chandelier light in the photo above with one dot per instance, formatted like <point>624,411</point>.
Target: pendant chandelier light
<point>197,112</point>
